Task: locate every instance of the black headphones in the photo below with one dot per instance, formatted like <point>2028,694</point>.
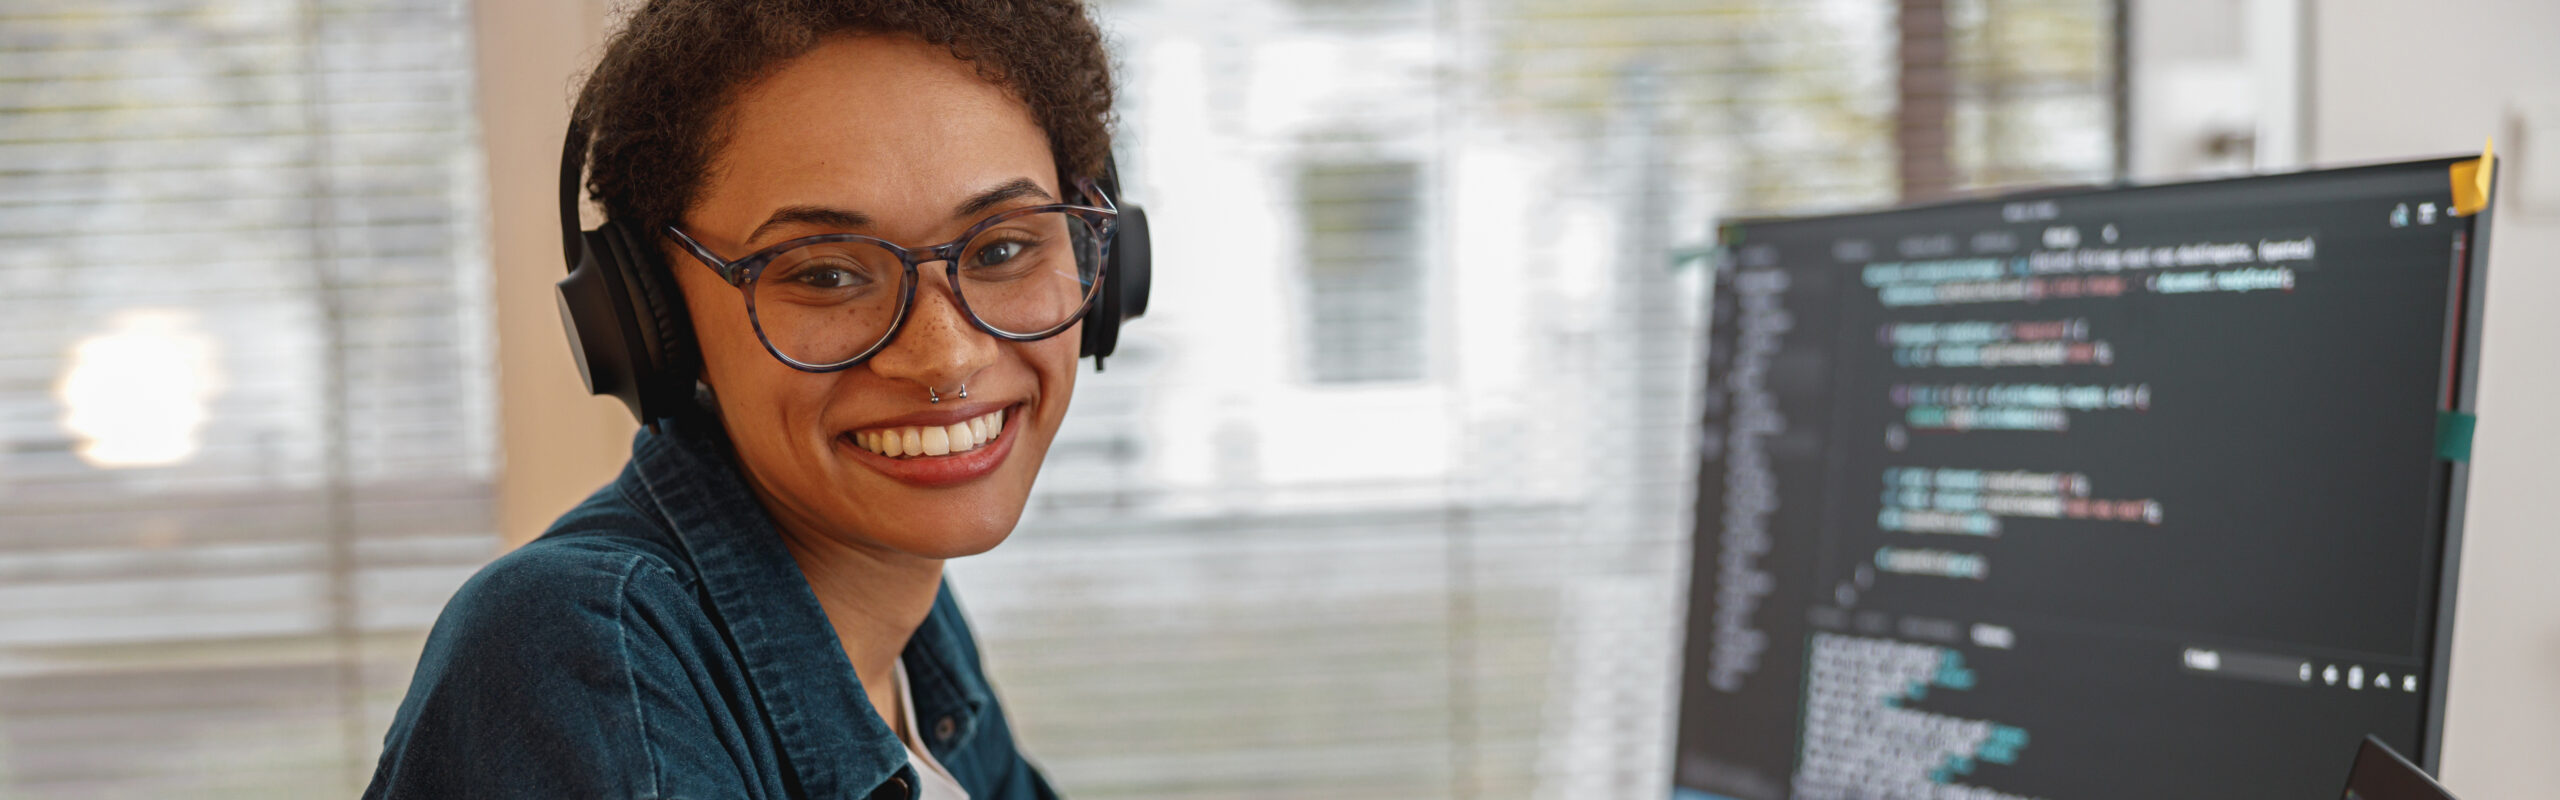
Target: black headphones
<point>633,340</point>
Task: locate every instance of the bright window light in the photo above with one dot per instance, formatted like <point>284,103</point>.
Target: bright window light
<point>138,394</point>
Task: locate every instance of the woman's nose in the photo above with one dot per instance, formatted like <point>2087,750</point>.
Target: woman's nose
<point>937,349</point>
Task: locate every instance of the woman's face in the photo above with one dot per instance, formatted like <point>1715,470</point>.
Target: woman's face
<point>891,137</point>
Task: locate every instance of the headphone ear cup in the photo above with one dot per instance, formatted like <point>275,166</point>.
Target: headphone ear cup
<point>665,350</point>
<point>627,329</point>
<point>1133,256</point>
<point>604,337</point>
<point>1125,279</point>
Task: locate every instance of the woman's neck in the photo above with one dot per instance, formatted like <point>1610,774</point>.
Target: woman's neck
<point>874,598</point>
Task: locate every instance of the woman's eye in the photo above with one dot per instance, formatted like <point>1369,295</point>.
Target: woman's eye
<point>829,278</point>
<point>998,253</point>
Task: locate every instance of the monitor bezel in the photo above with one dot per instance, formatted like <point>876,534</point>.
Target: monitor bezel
<point>2466,302</point>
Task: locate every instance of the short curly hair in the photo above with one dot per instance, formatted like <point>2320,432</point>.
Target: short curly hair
<point>654,106</point>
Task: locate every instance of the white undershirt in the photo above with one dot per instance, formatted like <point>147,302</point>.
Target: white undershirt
<point>936,783</point>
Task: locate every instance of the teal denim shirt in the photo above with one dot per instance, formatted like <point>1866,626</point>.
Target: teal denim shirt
<point>659,642</point>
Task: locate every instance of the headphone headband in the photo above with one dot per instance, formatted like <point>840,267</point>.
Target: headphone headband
<point>573,168</point>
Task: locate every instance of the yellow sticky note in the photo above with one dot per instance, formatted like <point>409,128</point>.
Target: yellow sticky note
<point>2471,181</point>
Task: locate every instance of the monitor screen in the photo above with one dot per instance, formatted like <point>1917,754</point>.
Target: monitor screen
<point>2123,493</point>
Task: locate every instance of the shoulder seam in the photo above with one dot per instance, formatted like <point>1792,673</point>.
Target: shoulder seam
<point>647,507</point>
<point>609,546</point>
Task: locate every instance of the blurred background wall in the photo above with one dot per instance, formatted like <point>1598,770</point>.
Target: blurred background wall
<point>1386,498</point>
<point>2389,79</point>
<point>561,442</point>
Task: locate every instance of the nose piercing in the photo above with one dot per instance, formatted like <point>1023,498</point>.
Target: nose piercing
<point>933,396</point>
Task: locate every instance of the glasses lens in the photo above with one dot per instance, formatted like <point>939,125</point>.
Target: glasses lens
<point>1032,274</point>
<point>823,304</point>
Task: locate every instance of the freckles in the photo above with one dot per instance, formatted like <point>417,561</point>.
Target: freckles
<point>943,322</point>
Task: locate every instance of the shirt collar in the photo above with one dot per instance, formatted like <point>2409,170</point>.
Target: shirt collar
<point>834,741</point>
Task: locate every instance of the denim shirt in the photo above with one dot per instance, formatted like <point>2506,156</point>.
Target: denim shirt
<point>659,642</point>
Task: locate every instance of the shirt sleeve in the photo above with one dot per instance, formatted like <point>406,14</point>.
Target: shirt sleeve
<point>552,674</point>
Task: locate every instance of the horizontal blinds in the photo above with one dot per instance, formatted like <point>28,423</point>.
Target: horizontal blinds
<point>1360,230</point>
<point>2034,101</point>
<point>245,423</point>
<point>1238,579</point>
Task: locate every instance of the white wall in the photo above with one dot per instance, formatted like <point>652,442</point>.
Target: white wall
<point>2397,79</point>
<point>2208,70</point>
<point>2330,82</point>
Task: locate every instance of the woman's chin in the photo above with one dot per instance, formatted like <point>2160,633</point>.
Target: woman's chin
<point>946,522</point>
<point>957,527</point>
<point>948,543</point>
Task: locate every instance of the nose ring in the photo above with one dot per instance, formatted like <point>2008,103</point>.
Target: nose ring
<point>933,396</point>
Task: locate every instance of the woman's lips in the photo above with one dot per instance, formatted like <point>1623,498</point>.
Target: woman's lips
<point>937,470</point>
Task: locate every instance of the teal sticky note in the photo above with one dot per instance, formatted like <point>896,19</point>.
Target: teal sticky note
<point>2453,435</point>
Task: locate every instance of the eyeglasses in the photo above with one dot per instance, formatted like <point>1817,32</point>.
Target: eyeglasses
<point>828,302</point>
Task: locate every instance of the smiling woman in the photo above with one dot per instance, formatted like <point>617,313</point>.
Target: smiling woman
<point>755,608</point>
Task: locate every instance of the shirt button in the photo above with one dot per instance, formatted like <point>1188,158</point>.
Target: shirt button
<point>942,728</point>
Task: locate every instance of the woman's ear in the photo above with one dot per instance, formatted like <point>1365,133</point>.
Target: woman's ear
<point>706,399</point>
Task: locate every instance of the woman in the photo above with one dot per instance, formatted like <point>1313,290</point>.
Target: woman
<point>883,220</point>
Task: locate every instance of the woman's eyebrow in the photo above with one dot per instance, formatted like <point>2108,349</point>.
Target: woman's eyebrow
<point>822,216</point>
<point>848,219</point>
<point>1016,188</point>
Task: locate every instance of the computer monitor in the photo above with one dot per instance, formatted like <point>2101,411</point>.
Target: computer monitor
<point>2115,493</point>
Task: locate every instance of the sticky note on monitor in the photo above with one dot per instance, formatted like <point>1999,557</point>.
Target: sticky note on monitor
<point>2471,181</point>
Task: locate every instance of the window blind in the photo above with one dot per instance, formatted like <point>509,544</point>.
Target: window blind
<point>1239,579</point>
<point>245,420</point>
<point>1360,228</point>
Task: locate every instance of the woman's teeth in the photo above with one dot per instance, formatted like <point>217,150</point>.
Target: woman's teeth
<point>938,440</point>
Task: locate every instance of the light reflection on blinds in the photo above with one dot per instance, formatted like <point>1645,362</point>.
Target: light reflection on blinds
<point>1238,579</point>
<point>245,428</point>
